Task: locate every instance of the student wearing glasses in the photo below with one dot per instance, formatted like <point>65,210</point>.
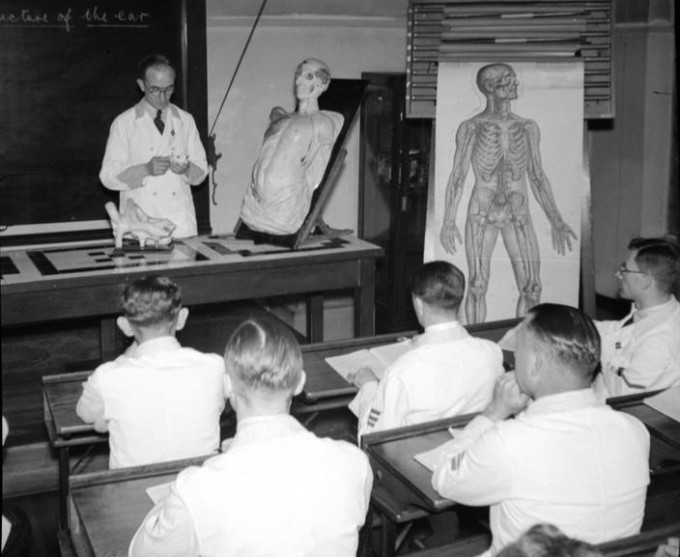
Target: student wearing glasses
<point>641,352</point>
<point>154,153</point>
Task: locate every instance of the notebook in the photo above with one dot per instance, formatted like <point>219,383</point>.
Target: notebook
<point>667,402</point>
<point>430,458</point>
<point>378,358</point>
<point>158,492</point>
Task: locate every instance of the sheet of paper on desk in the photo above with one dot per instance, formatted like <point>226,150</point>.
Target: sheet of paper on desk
<point>378,358</point>
<point>667,402</point>
<point>158,492</point>
<point>430,458</point>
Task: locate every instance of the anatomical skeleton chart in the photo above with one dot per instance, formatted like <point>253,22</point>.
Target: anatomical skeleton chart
<point>509,166</point>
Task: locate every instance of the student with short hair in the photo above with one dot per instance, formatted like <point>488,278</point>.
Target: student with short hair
<point>641,352</point>
<point>278,489</point>
<point>445,373</point>
<point>159,401</point>
<point>566,458</point>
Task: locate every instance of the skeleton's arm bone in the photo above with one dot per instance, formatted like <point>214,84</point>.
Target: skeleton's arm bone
<point>540,185</point>
<point>461,165</point>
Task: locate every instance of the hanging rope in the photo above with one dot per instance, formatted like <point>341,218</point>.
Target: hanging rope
<point>213,156</point>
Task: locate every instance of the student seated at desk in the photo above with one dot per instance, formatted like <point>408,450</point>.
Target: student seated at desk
<point>641,352</point>
<point>279,489</point>
<point>447,372</point>
<point>158,401</point>
<point>566,458</point>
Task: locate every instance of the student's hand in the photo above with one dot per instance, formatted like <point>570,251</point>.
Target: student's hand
<point>158,166</point>
<point>362,376</point>
<point>509,340</point>
<point>507,399</point>
<point>101,425</point>
<point>669,549</point>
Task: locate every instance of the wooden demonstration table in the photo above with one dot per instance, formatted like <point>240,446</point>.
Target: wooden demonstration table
<point>79,280</point>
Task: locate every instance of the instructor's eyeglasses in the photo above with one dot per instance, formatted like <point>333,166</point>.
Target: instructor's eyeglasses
<point>159,90</point>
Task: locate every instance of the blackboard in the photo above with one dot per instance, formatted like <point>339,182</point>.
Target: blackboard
<point>67,69</point>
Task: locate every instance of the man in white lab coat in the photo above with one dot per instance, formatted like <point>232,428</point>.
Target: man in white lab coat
<point>154,153</point>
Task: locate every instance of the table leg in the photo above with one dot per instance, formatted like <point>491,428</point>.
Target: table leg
<point>388,536</point>
<point>364,300</point>
<point>315,318</point>
<point>63,486</point>
<point>107,338</point>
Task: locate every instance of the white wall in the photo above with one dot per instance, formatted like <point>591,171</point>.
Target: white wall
<point>348,45</point>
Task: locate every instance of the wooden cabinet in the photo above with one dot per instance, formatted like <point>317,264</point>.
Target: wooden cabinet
<point>393,183</point>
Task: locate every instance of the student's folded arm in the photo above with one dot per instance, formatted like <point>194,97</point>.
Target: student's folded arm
<point>90,407</point>
<point>649,362</point>
<point>167,531</point>
<point>475,469</point>
<point>361,403</point>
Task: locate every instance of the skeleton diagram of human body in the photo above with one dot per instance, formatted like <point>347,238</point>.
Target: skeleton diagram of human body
<point>502,149</point>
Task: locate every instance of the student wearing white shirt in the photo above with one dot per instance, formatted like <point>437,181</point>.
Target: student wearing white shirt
<point>159,401</point>
<point>278,489</point>
<point>447,372</point>
<point>566,458</point>
<point>642,351</point>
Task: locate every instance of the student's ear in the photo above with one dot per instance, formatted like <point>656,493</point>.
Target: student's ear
<point>648,281</point>
<point>141,85</point>
<point>125,326</point>
<point>301,384</point>
<point>182,318</point>
<point>228,386</point>
<point>417,306</point>
<point>536,362</point>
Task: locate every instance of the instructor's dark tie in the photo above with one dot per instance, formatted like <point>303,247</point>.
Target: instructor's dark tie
<point>159,121</point>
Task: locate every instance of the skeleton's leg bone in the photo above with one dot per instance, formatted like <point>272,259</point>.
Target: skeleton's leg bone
<point>520,241</point>
<point>480,241</point>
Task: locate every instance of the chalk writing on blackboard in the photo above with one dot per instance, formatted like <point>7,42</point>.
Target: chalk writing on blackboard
<point>69,19</point>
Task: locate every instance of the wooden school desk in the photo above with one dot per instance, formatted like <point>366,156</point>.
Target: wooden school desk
<point>402,490</point>
<point>324,390</point>
<point>107,507</point>
<point>78,280</point>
